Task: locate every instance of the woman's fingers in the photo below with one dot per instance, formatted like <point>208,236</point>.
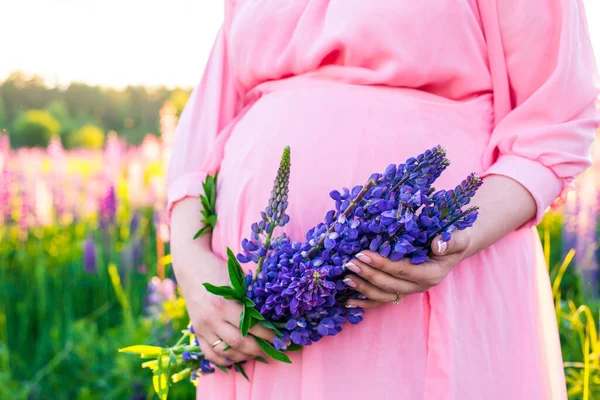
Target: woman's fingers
<point>231,335</point>
<point>459,242</point>
<point>262,332</point>
<point>209,352</point>
<point>368,289</point>
<point>402,269</point>
<point>354,303</point>
<point>232,353</point>
<point>232,315</point>
<point>418,278</point>
<point>383,280</point>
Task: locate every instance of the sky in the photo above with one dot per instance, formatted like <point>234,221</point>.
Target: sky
<point>125,42</point>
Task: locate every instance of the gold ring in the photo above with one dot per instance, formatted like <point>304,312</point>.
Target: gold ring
<point>397,301</point>
<point>216,343</point>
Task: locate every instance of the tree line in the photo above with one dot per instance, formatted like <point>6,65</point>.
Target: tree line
<point>32,112</point>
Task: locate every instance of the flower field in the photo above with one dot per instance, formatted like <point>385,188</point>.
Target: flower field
<point>84,270</point>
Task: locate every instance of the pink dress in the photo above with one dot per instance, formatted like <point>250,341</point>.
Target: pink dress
<point>506,86</point>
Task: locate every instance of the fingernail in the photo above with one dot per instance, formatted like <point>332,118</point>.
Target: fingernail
<point>350,306</point>
<point>364,258</point>
<point>353,268</point>
<point>442,246</point>
<point>350,282</point>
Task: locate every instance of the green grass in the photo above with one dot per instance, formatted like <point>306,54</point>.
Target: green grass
<point>578,322</point>
<point>60,326</point>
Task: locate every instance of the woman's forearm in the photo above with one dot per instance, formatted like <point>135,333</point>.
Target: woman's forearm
<point>189,254</point>
<point>504,205</point>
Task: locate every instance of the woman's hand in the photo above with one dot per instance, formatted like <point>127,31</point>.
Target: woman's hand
<point>214,319</point>
<point>384,281</point>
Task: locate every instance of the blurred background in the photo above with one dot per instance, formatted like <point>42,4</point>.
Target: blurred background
<point>90,94</point>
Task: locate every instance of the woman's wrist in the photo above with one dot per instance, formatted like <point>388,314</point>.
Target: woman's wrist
<point>504,206</point>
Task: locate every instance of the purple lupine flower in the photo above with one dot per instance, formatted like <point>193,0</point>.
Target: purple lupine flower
<point>89,255</point>
<point>206,367</point>
<point>134,223</point>
<point>397,213</point>
<point>274,215</point>
<point>5,198</point>
<point>108,207</point>
<point>289,287</point>
<point>160,291</point>
<point>25,211</point>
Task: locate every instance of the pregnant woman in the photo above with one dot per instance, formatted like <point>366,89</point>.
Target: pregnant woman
<point>506,86</point>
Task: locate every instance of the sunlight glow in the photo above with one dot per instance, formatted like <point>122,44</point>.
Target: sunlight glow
<point>122,42</point>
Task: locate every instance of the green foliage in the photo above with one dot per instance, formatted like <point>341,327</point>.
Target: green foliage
<point>88,137</point>
<point>577,321</point>
<point>209,201</point>
<point>58,109</point>
<point>178,99</point>
<point>551,232</point>
<point>34,128</point>
<point>133,112</point>
<point>3,117</point>
<point>60,326</point>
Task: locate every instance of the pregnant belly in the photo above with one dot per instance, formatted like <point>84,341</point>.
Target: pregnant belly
<point>339,135</point>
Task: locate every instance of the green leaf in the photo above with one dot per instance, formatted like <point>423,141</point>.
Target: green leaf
<point>241,370</point>
<point>255,314</point>
<point>269,325</point>
<point>160,379</point>
<point>223,291</point>
<point>160,382</point>
<point>205,205</point>
<point>294,347</point>
<point>242,319</point>
<point>212,220</point>
<point>261,360</point>
<point>172,358</point>
<point>272,351</point>
<point>249,302</point>
<point>279,324</point>
<point>253,322</point>
<point>213,197</point>
<point>208,200</point>
<point>222,368</point>
<point>227,347</point>
<point>202,231</point>
<point>236,274</point>
<point>245,321</point>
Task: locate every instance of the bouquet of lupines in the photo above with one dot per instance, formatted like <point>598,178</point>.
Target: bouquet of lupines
<point>297,288</point>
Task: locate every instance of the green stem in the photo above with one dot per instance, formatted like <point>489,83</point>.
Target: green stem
<point>267,244</point>
<point>191,349</point>
<point>345,214</point>
<point>183,337</point>
<point>453,221</point>
<point>405,178</point>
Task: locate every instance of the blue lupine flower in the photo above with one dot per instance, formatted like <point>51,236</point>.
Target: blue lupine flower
<point>206,366</point>
<point>89,255</point>
<point>397,213</point>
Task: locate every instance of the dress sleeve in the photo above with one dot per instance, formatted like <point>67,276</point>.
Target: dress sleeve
<point>211,107</point>
<point>545,86</point>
